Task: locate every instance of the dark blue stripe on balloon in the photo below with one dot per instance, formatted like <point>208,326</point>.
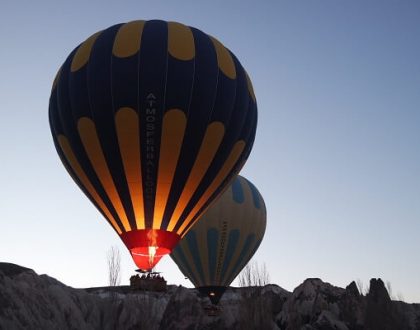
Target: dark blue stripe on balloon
<point>203,93</point>
<point>241,126</point>
<point>232,243</point>
<point>237,191</point>
<point>236,269</point>
<point>212,244</point>
<point>67,121</point>
<point>179,256</point>
<point>255,195</point>
<point>99,99</point>
<point>251,251</point>
<point>193,246</point>
<point>152,72</point>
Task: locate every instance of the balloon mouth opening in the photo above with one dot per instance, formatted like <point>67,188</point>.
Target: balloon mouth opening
<point>213,292</point>
<point>147,257</point>
<point>148,246</point>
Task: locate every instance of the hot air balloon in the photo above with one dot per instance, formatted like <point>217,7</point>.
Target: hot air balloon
<point>152,120</point>
<point>225,238</point>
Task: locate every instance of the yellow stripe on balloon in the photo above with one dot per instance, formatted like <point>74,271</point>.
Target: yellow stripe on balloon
<point>180,41</point>
<point>173,129</point>
<point>242,211</point>
<point>92,145</point>
<point>56,79</point>
<point>257,227</point>
<point>81,57</point>
<point>217,199</point>
<point>204,256</point>
<point>228,277</point>
<point>193,266</point>
<point>83,178</point>
<point>127,126</point>
<point>224,59</point>
<point>211,142</point>
<point>223,173</point>
<point>128,39</point>
<point>250,88</point>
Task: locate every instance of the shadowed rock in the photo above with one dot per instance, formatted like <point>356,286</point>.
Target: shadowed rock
<point>381,313</point>
<point>29,301</point>
<point>11,270</point>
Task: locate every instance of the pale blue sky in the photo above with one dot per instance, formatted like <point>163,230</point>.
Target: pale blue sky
<point>336,155</point>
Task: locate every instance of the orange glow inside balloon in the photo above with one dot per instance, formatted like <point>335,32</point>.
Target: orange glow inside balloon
<point>147,257</point>
<point>148,246</point>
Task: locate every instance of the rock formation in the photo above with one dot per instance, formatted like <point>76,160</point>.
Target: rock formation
<point>31,301</point>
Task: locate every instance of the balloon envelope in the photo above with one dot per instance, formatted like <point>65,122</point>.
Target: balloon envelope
<point>225,238</point>
<point>152,120</point>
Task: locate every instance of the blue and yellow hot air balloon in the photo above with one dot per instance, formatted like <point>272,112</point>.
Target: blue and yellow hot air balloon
<point>152,120</point>
<point>225,238</point>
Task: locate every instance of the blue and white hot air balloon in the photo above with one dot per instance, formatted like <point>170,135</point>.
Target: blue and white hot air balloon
<point>223,240</point>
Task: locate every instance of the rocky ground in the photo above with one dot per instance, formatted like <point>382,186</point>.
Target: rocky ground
<point>31,301</point>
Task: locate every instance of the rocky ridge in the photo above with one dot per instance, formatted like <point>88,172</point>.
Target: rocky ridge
<point>31,301</point>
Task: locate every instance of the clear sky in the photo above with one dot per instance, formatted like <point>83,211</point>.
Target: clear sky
<point>336,155</point>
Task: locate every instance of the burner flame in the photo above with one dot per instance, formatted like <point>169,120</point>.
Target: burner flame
<point>152,253</point>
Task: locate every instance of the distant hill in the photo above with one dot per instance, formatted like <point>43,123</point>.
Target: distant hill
<point>31,301</point>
